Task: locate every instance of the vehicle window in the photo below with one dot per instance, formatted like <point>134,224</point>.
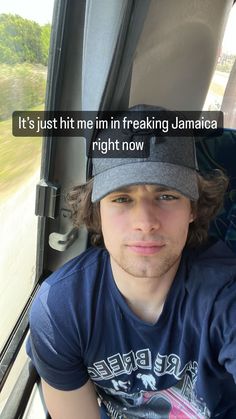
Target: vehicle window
<point>24,43</point>
<point>224,72</point>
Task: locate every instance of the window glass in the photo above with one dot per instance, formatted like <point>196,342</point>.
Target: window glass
<point>24,43</point>
<point>13,376</point>
<point>225,69</point>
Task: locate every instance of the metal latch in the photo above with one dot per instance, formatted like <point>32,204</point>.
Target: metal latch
<point>61,242</point>
<point>47,199</point>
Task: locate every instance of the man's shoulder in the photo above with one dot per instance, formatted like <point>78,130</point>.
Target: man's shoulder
<point>84,268</point>
<point>211,267</point>
<point>214,254</point>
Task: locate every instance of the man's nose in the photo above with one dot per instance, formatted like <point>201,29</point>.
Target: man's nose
<point>146,217</point>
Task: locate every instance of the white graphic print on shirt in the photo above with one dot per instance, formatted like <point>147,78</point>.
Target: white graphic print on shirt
<point>148,400</point>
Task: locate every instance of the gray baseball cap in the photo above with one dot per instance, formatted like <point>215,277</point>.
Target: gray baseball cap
<point>171,163</point>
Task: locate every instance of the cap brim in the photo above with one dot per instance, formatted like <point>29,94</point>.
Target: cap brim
<point>182,179</point>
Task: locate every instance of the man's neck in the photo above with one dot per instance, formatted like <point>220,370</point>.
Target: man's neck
<point>144,296</point>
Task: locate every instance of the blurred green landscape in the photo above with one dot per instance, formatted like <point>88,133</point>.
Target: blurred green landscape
<point>19,158</point>
<point>24,46</point>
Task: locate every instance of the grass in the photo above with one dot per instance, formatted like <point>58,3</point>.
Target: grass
<point>19,158</point>
<point>22,87</point>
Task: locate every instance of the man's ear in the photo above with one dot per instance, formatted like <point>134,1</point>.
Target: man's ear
<point>191,218</point>
<point>193,213</point>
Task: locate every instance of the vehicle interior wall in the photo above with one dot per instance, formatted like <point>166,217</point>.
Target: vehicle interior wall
<point>177,53</point>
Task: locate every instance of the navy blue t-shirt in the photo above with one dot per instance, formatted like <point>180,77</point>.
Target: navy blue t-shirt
<point>184,365</point>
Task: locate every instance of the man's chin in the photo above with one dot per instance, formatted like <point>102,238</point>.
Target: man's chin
<point>145,269</point>
<point>147,266</point>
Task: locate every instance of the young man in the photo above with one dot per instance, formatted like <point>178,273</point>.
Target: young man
<point>144,325</point>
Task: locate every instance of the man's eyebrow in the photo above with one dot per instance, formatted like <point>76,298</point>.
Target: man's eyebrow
<point>156,188</point>
<point>162,189</point>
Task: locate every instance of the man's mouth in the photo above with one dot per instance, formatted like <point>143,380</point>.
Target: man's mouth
<point>145,247</point>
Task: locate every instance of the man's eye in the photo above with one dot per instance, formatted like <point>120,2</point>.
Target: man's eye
<point>121,199</point>
<point>166,197</point>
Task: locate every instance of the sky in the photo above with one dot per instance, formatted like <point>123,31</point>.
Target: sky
<point>41,12</point>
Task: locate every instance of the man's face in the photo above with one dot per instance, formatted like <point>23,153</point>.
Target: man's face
<point>145,228</point>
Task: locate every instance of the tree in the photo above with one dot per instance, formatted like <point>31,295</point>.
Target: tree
<point>45,40</point>
<point>23,40</point>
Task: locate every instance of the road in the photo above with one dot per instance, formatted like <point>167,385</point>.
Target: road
<point>17,258</point>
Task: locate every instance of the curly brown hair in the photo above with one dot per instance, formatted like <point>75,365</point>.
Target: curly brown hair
<point>212,188</point>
